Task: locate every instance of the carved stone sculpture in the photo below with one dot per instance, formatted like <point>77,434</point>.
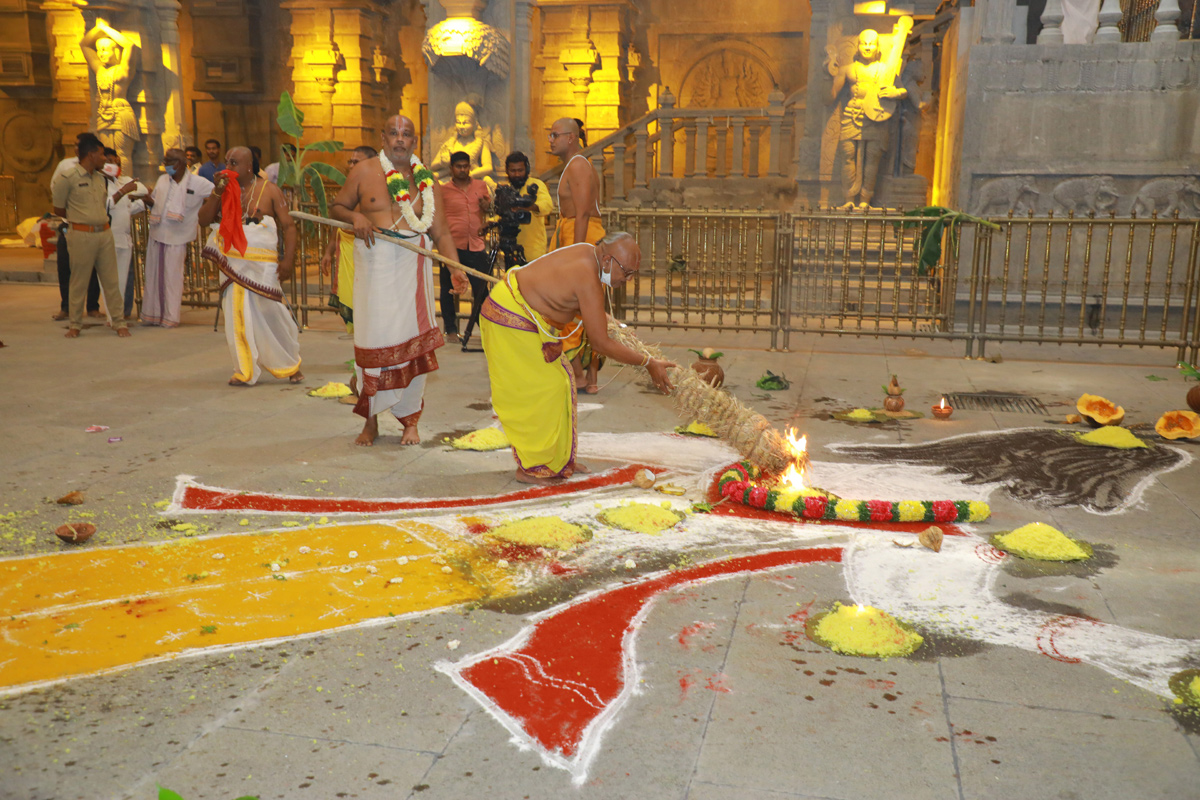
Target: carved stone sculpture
<point>912,114</point>
<point>1166,195</point>
<point>870,82</point>
<point>470,139</point>
<point>1096,194</point>
<point>727,79</point>
<point>1001,195</point>
<point>109,55</point>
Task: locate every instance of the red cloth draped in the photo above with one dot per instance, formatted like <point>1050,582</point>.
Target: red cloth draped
<point>232,235</point>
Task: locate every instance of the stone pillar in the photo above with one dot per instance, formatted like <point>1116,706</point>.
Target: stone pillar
<point>585,57</point>
<point>170,80</point>
<point>998,22</point>
<point>72,106</point>
<point>316,62</point>
<point>522,55</point>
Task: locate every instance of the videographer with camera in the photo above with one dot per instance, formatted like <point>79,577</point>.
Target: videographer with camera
<point>467,201</point>
<point>533,204</point>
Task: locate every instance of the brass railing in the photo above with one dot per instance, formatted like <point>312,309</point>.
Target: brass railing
<point>1046,280</point>
<point>704,269</point>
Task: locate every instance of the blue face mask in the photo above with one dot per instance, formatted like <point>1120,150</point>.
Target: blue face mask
<point>170,170</point>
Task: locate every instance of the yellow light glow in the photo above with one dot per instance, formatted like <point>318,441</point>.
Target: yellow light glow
<point>793,477</point>
<point>871,7</point>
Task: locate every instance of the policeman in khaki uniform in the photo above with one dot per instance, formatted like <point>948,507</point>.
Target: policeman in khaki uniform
<point>80,196</point>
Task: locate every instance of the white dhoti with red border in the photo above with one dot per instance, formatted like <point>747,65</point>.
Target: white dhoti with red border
<point>259,329</point>
<point>395,334</point>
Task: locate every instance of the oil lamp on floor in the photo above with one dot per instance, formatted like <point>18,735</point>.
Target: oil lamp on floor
<point>943,410</point>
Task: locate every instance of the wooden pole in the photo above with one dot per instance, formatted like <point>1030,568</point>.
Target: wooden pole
<point>395,238</point>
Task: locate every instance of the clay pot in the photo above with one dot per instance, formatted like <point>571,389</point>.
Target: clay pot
<point>1193,398</point>
<point>893,403</point>
<point>710,372</point>
<point>942,412</point>
<point>76,532</point>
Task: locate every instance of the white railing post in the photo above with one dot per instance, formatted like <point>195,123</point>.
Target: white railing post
<point>1110,15</point>
<point>738,170</point>
<point>598,165</point>
<point>722,159</point>
<point>775,112</point>
<point>1052,19</point>
<point>689,147</point>
<point>666,134</point>
<point>640,137</point>
<point>702,147</point>
<point>1167,16</point>
<point>619,192</point>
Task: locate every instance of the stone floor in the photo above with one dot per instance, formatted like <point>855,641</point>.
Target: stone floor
<point>729,698</point>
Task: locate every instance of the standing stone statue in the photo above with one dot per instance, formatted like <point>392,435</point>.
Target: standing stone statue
<point>871,84</point>
<point>470,139</point>
<point>108,53</point>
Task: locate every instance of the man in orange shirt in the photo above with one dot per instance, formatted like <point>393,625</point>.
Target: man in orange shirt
<point>466,201</point>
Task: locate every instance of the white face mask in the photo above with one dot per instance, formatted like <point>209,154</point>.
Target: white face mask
<point>606,277</point>
<point>111,170</point>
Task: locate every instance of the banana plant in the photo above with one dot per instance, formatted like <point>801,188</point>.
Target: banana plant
<point>930,222</point>
<point>293,172</point>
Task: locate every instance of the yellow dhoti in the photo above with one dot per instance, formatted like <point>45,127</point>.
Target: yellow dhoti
<point>564,236</point>
<point>533,386</point>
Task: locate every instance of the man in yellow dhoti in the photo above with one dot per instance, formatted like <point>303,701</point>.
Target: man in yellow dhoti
<point>340,252</point>
<point>525,321</point>
<point>253,213</point>
<point>578,222</point>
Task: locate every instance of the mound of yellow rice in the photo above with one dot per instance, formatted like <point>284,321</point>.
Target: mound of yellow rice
<point>696,429</point>
<point>549,532</point>
<point>331,390</point>
<point>1041,542</point>
<point>641,517</point>
<point>482,439</point>
<point>1111,436</point>
<point>860,415</point>
<point>863,631</point>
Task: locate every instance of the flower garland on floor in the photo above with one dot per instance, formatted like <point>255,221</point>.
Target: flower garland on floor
<point>738,484</point>
<point>398,186</point>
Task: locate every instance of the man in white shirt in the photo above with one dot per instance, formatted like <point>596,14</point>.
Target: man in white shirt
<point>175,207</point>
<point>124,200</point>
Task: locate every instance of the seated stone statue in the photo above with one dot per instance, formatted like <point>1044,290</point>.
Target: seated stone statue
<point>471,140</point>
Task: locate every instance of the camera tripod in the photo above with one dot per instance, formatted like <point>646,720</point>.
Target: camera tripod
<point>514,256</point>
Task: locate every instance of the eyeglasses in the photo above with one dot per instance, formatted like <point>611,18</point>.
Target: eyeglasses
<point>555,134</point>
<point>624,272</point>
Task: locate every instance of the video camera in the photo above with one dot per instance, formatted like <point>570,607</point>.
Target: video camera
<point>513,209</point>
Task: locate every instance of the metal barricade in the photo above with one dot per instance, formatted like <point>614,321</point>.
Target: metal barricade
<point>1069,280</point>
<point>859,274</point>
<point>704,269</point>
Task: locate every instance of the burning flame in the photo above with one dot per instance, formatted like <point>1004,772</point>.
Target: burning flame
<point>943,403</point>
<point>793,477</point>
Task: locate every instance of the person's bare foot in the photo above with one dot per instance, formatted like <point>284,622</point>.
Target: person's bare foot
<point>96,313</point>
<point>411,436</point>
<point>236,382</point>
<point>369,432</point>
<point>60,316</point>
<point>592,388</point>
<point>583,469</point>
<point>124,333</point>
<point>297,378</point>
<point>72,333</point>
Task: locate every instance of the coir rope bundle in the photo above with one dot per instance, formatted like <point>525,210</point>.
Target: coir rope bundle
<point>746,430</point>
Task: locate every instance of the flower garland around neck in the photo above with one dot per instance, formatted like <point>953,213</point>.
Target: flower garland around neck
<point>398,186</point>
